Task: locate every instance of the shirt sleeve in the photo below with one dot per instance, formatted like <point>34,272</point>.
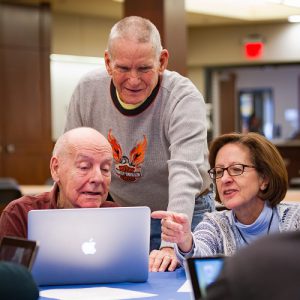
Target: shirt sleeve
<point>181,256</point>
<point>188,163</point>
<point>13,222</point>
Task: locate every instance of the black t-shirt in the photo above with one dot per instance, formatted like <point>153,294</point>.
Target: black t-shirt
<point>16,282</point>
<point>267,269</point>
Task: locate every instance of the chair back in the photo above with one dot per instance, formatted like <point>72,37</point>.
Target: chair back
<point>9,190</point>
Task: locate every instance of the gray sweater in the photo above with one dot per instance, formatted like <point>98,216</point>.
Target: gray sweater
<point>160,148</point>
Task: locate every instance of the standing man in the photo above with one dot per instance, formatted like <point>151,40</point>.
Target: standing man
<point>155,121</point>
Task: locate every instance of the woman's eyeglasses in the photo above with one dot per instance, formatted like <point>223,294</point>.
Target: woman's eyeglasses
<point>233,170</point>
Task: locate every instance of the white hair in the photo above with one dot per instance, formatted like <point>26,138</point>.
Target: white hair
<point>137,29</point>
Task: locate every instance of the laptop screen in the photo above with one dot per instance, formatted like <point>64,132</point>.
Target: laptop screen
<point>90,245</point>
<point>18,250</point>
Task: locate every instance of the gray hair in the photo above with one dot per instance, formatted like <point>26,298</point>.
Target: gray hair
<point>135,29</point>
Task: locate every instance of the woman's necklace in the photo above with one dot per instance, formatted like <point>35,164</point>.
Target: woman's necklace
<point>269,226</point>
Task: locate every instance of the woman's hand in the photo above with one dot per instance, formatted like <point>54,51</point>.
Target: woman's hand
<point>175,228</point>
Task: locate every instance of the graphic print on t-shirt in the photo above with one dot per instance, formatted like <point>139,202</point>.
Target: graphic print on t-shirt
<point>128,168</point>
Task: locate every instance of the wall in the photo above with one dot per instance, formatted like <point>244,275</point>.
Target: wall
<point>221,46</point>
<point>207,46</point>
<point>210,46</point>
<point>79,35</point>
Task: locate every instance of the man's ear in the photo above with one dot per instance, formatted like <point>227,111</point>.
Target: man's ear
<point>54,168</point>
<point>163,60</point>
<point>107,61</point>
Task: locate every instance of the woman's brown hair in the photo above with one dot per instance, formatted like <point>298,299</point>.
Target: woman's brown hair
<point>264,156</point>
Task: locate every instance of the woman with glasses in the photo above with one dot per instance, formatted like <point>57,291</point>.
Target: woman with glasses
<point>251,180</point>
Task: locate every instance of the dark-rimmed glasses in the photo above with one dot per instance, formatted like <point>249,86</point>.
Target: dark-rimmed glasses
<point>233,170</point>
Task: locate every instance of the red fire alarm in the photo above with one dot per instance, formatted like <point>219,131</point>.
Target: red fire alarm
<point>253,47</point>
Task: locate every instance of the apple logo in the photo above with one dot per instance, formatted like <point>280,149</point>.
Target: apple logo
<point>88,247</point>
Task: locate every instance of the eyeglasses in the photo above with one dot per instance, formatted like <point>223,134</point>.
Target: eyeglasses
<point>233,170</point>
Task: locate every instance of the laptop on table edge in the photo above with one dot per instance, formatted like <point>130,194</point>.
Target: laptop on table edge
<point>90,245</point>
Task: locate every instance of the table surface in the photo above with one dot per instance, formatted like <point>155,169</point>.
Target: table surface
<point>34,189</point>
<point>164,285</point>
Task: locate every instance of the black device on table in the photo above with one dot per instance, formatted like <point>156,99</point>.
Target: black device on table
<point>202,271</point>
<point>18,250</point>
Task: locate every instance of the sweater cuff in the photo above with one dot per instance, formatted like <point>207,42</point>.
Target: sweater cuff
<point>181,256</point>
<point>166,245</point>
<point>187,254</point>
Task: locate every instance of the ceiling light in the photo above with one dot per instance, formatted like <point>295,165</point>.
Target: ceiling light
<point>294,3</point>
<point>294,19</point>
<point>275,1</point>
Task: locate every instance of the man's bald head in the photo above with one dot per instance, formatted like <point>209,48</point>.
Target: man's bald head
<point>81,136</point>
<point>81,166</point>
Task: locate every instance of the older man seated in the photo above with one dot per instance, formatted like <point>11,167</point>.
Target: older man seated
<point>81,169</point>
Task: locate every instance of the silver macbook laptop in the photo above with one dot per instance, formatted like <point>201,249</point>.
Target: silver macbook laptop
<point>90,245</point>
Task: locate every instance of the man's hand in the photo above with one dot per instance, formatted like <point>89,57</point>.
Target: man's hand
<point>162,260</point>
